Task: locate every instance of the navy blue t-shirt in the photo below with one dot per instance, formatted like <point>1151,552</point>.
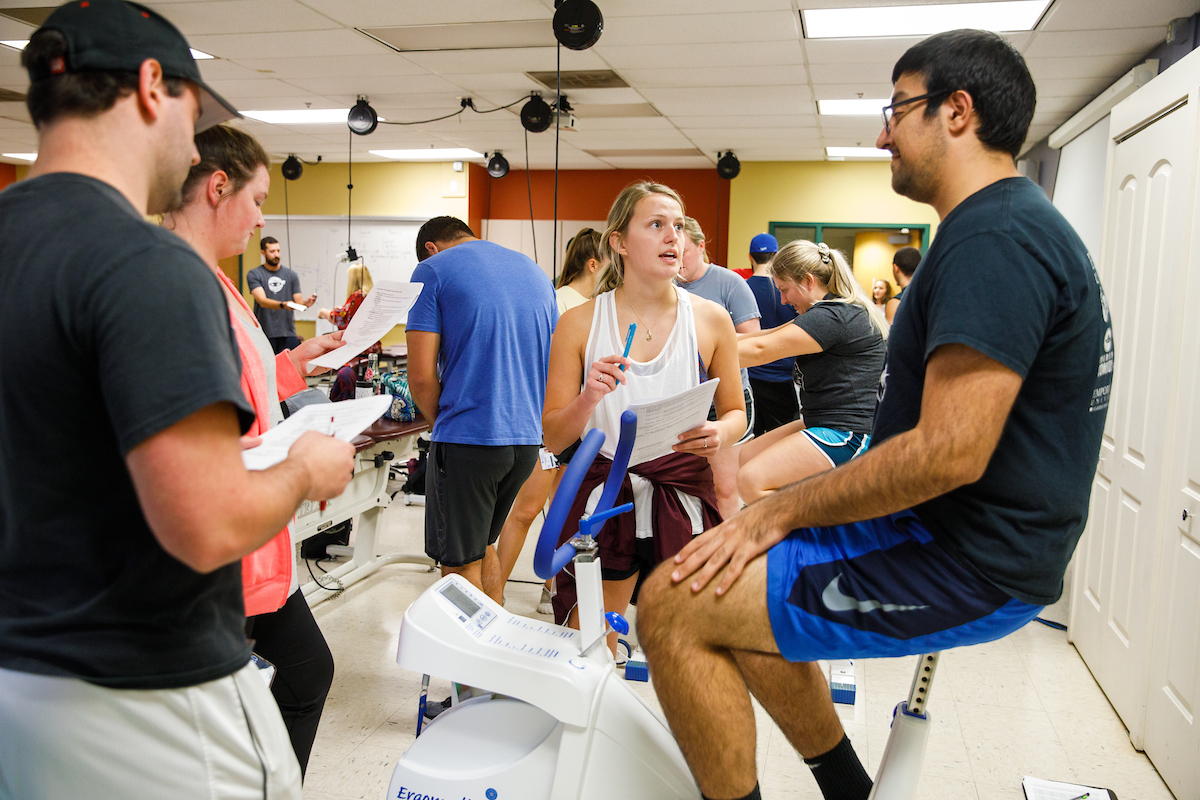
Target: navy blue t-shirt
<point>774,313</point>
<point>495,311</point>
<point>1008,277</point>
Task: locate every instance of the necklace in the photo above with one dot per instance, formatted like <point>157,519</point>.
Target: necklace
<point>649,332</point>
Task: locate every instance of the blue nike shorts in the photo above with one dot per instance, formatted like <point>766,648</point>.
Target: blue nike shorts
<point>878,589</point>
<point>838,446</point>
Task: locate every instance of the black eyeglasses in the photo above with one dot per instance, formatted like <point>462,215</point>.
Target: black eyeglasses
<point>890,110</point>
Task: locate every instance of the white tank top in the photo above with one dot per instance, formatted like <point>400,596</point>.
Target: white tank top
<point>673,370</point>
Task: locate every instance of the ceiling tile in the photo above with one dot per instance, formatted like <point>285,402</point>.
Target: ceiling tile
<point>268,16</point>
<point>1076,15</point>
<point>699,28</point>
<point>750,101</point>
<point>761,121</point>
<point>716,76</point>
<point>1126,41</point>
<point>528,59</point>
<point>686,8</point>
<point>375,86</point>
<point>848,51</point>
<point>686,162</point>
<point>853,72</point>
<point>259,87</point>
<point>373,13</point>
<point>715,55</point>
<point>243,47</point>
<point>1081,67</point>
<point>343,66</point>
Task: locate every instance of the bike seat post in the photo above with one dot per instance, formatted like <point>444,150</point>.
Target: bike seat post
<point>589,588</point>
<point>918,695</point>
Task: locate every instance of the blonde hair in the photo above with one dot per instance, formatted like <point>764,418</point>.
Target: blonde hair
<point>696,235</point>
<point>359,277</point>
<point>619,216</point>
<point>800,258</point>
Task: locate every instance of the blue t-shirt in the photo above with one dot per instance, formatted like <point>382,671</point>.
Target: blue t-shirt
<point>495,310</point>
<point>774,313</point>
<point>1008,277</point>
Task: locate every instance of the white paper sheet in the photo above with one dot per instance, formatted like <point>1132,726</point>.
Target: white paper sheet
<point>384,307</point>
<point>343,421</point>
<point>295,306</point>
<point>661,421</point>
<point>1041,789</point>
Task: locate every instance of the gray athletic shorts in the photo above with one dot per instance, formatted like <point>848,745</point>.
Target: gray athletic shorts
<point>469,490</point>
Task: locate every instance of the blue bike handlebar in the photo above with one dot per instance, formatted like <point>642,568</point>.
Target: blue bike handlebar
<point>548,562</point>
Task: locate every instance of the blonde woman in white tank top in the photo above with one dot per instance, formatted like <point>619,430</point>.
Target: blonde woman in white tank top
<point>676,336</point>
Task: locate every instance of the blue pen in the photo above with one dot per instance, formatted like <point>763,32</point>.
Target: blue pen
<point>628,342</point>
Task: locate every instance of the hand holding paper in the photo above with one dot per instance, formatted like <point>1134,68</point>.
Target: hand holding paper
<point>661,421</point>
<point>349,419</point>
<point>384,307</point>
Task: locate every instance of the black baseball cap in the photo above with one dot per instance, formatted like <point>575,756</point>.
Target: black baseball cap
<point>113,35</point>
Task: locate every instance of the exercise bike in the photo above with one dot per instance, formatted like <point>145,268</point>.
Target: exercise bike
<point>557,721</point>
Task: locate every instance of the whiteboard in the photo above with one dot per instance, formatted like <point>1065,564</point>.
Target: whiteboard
<point>387,245</point>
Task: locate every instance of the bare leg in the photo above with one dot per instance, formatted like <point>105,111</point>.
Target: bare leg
<point>759,443</point>
<point>490,576</point>
<point>616,598</point>
<point>706,653</point>
<point>528,504</point>
<point>724,465</point>
<point>788,460</point>
<point>473,572</point>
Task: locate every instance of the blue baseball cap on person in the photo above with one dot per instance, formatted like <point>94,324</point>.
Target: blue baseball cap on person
<point>764,243</point>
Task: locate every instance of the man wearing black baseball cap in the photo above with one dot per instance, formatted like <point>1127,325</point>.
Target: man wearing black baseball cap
<point>125,670</point>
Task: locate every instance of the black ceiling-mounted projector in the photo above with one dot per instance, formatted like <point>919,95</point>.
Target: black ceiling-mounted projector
<point>497,165</point>
<point>536,115</point>
<point>577,23</point>
<point>728,166</point>
<point>362,119</point>
<point>292,169</point>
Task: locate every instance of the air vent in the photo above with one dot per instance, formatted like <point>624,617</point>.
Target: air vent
<point>581,79</point>
<point>30,16</point>
<point>9,96</point>
<point>677,152</point>
<point>464,36</point>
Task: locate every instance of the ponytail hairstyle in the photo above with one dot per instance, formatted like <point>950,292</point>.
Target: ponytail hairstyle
<point>800,258</point>
<point>619,216</point>
<point>695,235</point>
<point>582,249</point>
<point>359,277</point>
<point>229,150</point>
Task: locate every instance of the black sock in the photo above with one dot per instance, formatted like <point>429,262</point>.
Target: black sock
<point>840,774</point>
<point>754,795</point>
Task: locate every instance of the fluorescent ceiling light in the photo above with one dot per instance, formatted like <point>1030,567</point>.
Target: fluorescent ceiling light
<point>19,44</point>
<point>857,152</point>
<point>430,154</point>
<point>1007,15</point>
<point>851,108</point>
<point>21,156</point>
<point>301,116</point>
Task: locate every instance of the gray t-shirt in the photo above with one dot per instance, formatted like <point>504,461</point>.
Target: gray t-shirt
<point>729,290</point>
<point>839,385</point>
<point>282,285</point>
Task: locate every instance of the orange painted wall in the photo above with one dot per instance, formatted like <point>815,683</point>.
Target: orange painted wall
<point>479,194</point>
<point>588,194</point>
<point>8,174</point>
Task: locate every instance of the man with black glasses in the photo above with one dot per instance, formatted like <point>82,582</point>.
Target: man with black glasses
<point>956,527</point>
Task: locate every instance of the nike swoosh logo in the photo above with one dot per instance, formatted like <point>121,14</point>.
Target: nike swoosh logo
<point>835,600</point>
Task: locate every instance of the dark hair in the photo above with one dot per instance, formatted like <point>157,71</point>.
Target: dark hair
<point>78,94</point>
<point>266,240</point>
<point>907,259</point>
<point>988,68</point>
<point>583,248</point>
<point>441,229</point>
<point>224,148</point>
<point>761,258</point>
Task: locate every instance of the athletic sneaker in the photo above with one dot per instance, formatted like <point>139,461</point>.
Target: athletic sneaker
<point>433,709</point>
<point>544,605</point>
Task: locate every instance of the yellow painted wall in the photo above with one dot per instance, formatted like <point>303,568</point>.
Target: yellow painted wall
<point>815,191</point>
<point>873,257</point>
<point>386,190</point>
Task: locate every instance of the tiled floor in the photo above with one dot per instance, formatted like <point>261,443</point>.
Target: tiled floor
<point>1025,705</point>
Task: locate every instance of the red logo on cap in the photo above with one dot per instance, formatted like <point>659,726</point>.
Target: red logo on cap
<point>146,14</point>
<point>84,4</point>
<point>57,65</point>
